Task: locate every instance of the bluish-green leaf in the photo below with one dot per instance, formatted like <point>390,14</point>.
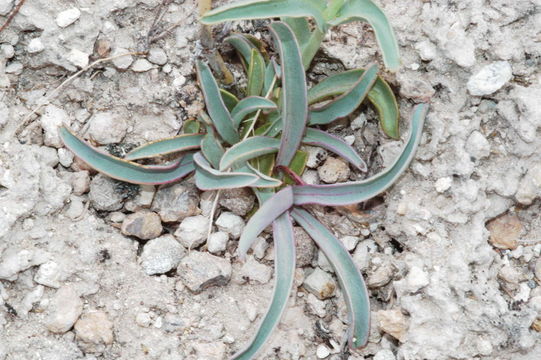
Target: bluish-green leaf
<point>368,11</point>
<point>249,105</point>
<point>264,180</point>
<point>266,9</point>
<point>284,271</point>
<point>346,103</point>
<point>211,148</point>
<point>267,213</point>
<point>294,99</point>
<point>359,191</point>
<point>270,78</point>
<point>229,99</point>
<point>334,144</point>
<point>348,274</point>
<point>166,146</point>
<point>248,149</point>
<point>191,127</point>
<point>206,178</point>
<point>215,105</point>
<point>242,45</point>
<point>300,27</point>
<point>126,170</point>
<point>256,74</point>
<point>381,96</point>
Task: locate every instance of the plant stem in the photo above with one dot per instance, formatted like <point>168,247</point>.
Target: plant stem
<point>212,212</point>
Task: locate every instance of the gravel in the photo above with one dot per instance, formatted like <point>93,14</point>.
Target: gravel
<point>161,255</point>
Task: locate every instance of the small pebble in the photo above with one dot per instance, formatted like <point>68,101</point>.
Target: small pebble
<point>505,231</point>
<point>320,283</point>
<point>78,58</point>
<point>68,17</point>
<point>141,65</point>
<point>144,225</point>
<point>231,224</point>
<point>35,46</point>
<point>333,170</point>
<point>322,351</point>
<point>157,56</point>
<point>192,231</point>
<point>490,78</point>
<point>217,242</point>
<point>161,255</point>
<point>95,328</point>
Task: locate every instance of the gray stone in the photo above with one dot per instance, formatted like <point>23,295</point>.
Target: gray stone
<point>161,255</point>
<point>320,283</point>
<point>231,224</point>
<point>141,65</point>
<point>316,306</point>
<point>49,274</point>
<point>64,310</point>
<point>177,202</point>
<point>304,246</point>
<point>157,56</point>
<point>78,58</point>
<point>5,7</point>
<point>350,242</point>
<point>14,261</point>
<point>255,271</point>
<point>107,128</point>
<point>144,225</point>
<point>259,247</point>
<point>537,270</point>
<point>200,270</point>
<point>80,182</point>
<point>333,170</point>
<point>384,354</point>
<point>239,201</point>
<point>103,196</point>
<point>53,117</point>
<point>119,61</point>
<point>193,231</point>
<point>490,78</point>
<point>217,242</point>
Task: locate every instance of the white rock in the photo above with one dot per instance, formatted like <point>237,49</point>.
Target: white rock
<point>443,184</point>
<point>65,157</point>
<point>256,271</point>
<point>490,78</point>
<point>14,261</point>
<point>322,351</point>
<point>64,310</point>
<point>427,50</point>
<point>35,46</point>
<point>320,283</point>
<point>316,306</point>
<point>29,300</point>
<point>68,17</point>
<point>259,247</point>
<point>310,177</point>
<point>14,68</point>
<point>121,62</point>
<point>5,8</point>
<point>94,328</point>
<point>484,346</point>
<point>350,139</point>
<point>384,354</point>
<point>107,128</point>
<point>333,170</point>
<point>416,279</point>
<point>161,255</point>
<point>477,145</point>
<point>316,156</point>
<point>217,242</point>
<point>200,270</point>
<point>530,186</point>
<point>78,58</point>
<point>49,274</point>
<point>192,231</point>
<point>143,319</point>
<point>157,56</point>
<point>141,65</point>
<point>350,242</point>
<point>7,50</point>
<point>231,224</point>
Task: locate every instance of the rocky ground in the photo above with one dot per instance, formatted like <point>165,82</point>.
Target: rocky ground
<point>93,269</point>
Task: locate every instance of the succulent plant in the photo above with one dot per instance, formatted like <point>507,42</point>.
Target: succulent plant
<point>256,142</point>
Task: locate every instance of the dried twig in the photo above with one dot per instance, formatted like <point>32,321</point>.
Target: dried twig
<point>48,98</point>
<point>14,12</point>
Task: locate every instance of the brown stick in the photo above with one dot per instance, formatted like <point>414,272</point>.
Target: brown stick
<point>14,12</point>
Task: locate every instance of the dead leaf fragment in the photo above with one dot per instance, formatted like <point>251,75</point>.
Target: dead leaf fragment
<point>505,231</point>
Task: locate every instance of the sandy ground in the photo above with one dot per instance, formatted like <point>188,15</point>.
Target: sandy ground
<point>451,253</point>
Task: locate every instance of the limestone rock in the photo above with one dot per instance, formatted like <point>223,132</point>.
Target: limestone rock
<point>94,328</point>
<point>255,271</point>
<point>200,270</point>
<point>161,255</point>
<point>64,310</point>
<point>393,322</point>
<point>177,202</point>
<point>231,224</point>
<point>144,225</point>
<point>192,231</point>
<point>107,128</point>
<point>333,170</point>
<point>68,17</point>
<point>238,201</point>
<point>320,283</point>
<point>53,117</point>
<point>217,242</point>
<point>103,196</point>
<point>490,78</point>
<point>305,247</point>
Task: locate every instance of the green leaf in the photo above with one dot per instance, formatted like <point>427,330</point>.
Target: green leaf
<point>256,73</point>
<point>294,103</point>
<point>211,148</point>
<point>348,274</point>
<point>298,164</point>
<point>243,46</point>
<point>284,271</point>
<point>229,99</point>
<point>215,105</point>
<point>249,105</point>
<point>206,178</point>
<point>267,213</point>
<point>191,127</point>
<point>381,96</point>
<point>359,191</point>
<point>334,144</point>
<point>249,149</point>
<point>124,170</point>
<point>368,11</point>
<point>264,180</point>
<point>300,27</point>
<point>266,9</point>
<point>264,164</point>
<point>346,103</point>
<point>270,78</point>
<point>166,146</point>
